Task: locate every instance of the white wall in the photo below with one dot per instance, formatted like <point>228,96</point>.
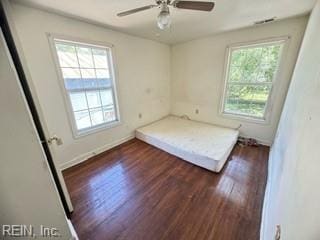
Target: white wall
<point>26,197</point>
<point>198,70</point>
<point>293,197</point>
<point>143,70</point>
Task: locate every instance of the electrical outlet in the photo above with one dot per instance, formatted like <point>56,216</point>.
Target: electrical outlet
<point>140,115</point>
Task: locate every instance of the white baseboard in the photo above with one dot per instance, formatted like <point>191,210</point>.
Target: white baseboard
<point>83,157</point>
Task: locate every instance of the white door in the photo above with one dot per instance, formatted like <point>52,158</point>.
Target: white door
<point>46,133</point>
<point>28,193</point>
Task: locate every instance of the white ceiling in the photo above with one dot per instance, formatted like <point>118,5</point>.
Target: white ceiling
<point>186,24</point>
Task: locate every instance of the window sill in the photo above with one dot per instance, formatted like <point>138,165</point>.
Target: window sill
<point>244,118</point>
<point>96,129</point>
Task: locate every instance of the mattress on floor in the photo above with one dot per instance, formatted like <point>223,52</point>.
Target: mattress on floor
<point>202,144</point>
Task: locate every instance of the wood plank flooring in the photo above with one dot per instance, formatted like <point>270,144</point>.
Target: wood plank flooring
<point>136,191</point>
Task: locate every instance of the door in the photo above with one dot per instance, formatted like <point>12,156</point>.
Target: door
<point>29,195</point>
<point>47,141</point>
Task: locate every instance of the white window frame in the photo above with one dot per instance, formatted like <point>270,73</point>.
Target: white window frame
<point>274,84</point>
<point>67,101</point>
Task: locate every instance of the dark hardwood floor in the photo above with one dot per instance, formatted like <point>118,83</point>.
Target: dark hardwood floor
<point>136,191</point>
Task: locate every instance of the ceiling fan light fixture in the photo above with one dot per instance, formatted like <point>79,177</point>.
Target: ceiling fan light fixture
<point>164,19</point>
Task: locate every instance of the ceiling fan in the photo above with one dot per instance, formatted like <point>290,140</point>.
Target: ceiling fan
<point>164,20</point>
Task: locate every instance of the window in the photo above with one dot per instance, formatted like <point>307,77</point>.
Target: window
<point>250,77</point>
<point>88,78</point>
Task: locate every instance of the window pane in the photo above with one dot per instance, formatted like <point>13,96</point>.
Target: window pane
<point>96,116</point>
<point>235,74</point>
<point>250,66</point>
<point>90,84</point>
<point>85,57</point>
<point>253,57</point>
<point>71,73</point>
<point>103,78</point>
<point>106,97</point>
<point>249,100</point>
<point>109,114</point>
<point>233,92</point>
<point>72,78</point>
<point>251,72</point>
<point>103,73</point>
<point>93,99</point>
<point>88,81</point>
<point>88,73</point>
<point>270,55</point>
<point>100,58</point>
<point>254,110</point>
<point>246,93</point>
<point>67,55</point>
<point>266,73</point>
<point>238,57</point>
<point>78,101</point>
<point>82,119</point>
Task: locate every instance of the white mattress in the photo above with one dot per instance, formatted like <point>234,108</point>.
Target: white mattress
<point>202,144</point>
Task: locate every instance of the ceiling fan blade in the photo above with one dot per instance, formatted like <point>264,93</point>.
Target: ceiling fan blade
<point>122,14</point>
<point>194,5</point>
